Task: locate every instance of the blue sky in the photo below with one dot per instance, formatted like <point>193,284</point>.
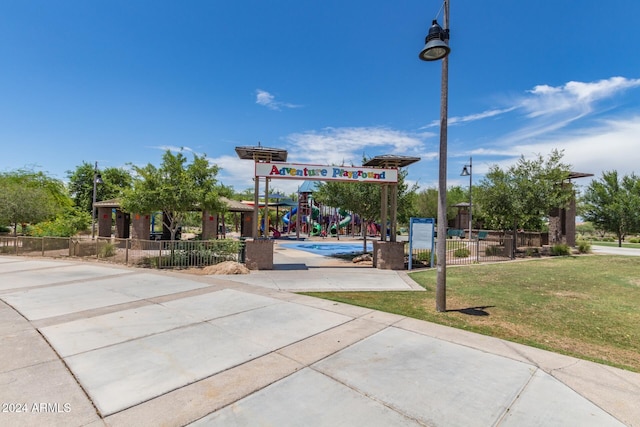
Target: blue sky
<point>119,82</point>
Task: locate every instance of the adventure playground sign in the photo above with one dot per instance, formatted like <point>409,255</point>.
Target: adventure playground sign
<point>327,173</point>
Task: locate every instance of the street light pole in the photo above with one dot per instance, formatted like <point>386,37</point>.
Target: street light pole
<point>437,47</point>
<point>467,170</point>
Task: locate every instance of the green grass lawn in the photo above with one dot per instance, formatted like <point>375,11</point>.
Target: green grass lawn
<point>585,306</point>
<point>615,244</point>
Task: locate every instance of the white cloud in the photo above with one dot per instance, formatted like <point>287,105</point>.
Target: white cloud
<point>349,145</point>
<point>578,97</point>
<point>266,99</point>
<point>172,148</point>
<point>610,145</point>
<point>452,121</point>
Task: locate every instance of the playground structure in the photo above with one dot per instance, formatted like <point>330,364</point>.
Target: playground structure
<point>270,163</point>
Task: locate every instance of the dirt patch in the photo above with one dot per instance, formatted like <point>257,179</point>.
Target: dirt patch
<point>227,267</point>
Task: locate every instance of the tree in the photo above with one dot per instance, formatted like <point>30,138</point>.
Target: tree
<point>175,188</point>
<point>28,197</point>
<point>426,204</point>
<point>114,182</point>
<point>613,204</point>
<point>363,199</point>
<point>525,194</point>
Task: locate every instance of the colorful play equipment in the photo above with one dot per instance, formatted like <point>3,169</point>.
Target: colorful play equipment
<point>346,220</point>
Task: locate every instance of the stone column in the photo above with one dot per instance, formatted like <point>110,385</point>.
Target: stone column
<point>141,226</point>
<point>104,222</point>
<point>209,226</point>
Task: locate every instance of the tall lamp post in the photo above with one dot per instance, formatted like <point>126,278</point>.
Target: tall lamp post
<point>437,47</point>
<point>97,179</point>
<point>467,170</point>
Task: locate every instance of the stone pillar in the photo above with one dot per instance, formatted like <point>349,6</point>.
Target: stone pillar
<point>259,254</point>
<point>104,222</point>
<point>246,226</point>
<point>209,226</point>
<point>141,226</point>
<point>571,222</point>
<point>388,255</point>
<point>123,224</point>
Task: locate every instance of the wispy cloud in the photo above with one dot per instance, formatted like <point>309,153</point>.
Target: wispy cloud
<point>578,97</point>
<point>266,99</point>
<point>551,109</point>
<point>172,148</point>
<point>349,145</point>
<point>451,121</point>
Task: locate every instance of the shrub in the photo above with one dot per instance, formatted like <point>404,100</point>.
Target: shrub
<point>4,229</point>
<point>560,249</point>
<point>493,250</point>
<point>107,250</point>
<point>461,253</point>
<point>634,240</point>
<point>584,247</point>
<point>532,252</point>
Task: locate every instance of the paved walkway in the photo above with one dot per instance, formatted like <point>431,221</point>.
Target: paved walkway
<point>93,344</point>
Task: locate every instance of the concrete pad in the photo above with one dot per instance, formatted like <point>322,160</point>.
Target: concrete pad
<point>123,375</point>
<point>65,299</point>
<point>147,285</point>
<point>194,401</point>
<point>10,264</point>
<point>47,302</point>
<point>96,332</point>
<point>319,279</point>
<point>51,384</point>
<point>317,347</point>
<point>11,321</point>
<point>435,382</point>
<point>307,398</point>
<point>39,276</point>
<point>22,349</point>
<point>606,386</point>
<point>219,304</point>
<point>547,402</point>
<point>279,325</point>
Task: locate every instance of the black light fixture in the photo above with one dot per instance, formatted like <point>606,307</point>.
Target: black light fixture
<point>436,43</point>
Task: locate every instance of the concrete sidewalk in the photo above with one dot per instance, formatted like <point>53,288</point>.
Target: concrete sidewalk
<point>92,344</point>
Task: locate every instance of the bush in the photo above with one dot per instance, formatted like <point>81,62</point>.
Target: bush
<point>560,249</point>
<point>66,224</point>
<point>461,253</point>
<point>532,252</point>
<point>493,250</point>
<point>634,240</point>
<point>424,257</point>
<point>4,229</point>
<point>584,247</point>
<point>107,250</point>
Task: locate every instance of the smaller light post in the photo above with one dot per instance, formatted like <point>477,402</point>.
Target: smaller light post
<point>467,170</point>
<point>97,179</point>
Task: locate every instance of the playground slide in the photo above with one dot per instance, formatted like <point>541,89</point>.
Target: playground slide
<point>286,216</point>
<point>345,221</point>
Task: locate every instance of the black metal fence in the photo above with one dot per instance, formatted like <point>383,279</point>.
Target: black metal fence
<point>464,251</point>
<point>145,253</point>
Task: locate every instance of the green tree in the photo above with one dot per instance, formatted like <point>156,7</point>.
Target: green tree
<point>363,199</point>
<point>28,197</point>
<point>114,182</point>
<point>426,202</point>
<point>613,204</point>
<point>525,194</point>
<point>175,188</point>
